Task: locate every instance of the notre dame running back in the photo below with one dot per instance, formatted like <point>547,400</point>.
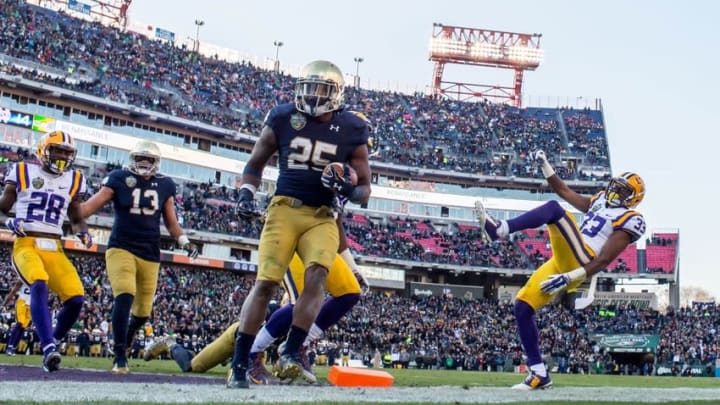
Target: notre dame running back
<point>307,135</point>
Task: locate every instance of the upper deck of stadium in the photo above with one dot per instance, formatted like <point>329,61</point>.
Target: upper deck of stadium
<point>109,88</point>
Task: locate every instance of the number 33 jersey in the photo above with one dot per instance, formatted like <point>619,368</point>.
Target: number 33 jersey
<point>138,206</point>
<point>43,198</point>
<point>601,221</point>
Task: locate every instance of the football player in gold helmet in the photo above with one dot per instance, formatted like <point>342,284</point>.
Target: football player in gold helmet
<point>308,135</point>
<point>142,197</point>
<point>43,195</point>
<point>610,224</point>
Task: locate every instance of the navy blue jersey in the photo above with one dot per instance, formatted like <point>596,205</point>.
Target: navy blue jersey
<point>307,145</point>
<point>138,208</point>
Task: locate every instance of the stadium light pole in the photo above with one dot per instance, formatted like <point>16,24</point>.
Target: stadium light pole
<point>198,24</point>
<point>357,60</point>
<point>277,44</point>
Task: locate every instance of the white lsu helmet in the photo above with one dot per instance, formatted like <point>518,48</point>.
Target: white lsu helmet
<point>145,158</point>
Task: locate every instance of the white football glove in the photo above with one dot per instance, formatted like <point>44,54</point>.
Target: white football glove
<point>539,155</point>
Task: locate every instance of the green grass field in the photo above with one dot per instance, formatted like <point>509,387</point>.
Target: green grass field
<point>422,378</point>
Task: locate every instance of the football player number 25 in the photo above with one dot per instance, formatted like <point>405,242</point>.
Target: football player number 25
<point>45,207</point>
<point>308,152</point>
<point>150,195</point>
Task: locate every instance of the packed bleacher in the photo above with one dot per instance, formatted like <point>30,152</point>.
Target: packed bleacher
<point>417,130</point>
<point>435,331</point>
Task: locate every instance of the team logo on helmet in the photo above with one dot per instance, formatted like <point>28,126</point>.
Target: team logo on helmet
<point>38,182</point>
<point>298,121</point>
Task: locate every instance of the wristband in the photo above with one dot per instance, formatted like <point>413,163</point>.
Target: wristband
<point>547,170</point>
<point>577,274</point>
<point>349,259</point>
<point>249,187</point>
<point>183,240</point>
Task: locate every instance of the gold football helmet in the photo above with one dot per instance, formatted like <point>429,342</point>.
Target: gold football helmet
<point>319,89</point>
<point>145,158</point>
<point>56,151</point>
<point>626,190</point>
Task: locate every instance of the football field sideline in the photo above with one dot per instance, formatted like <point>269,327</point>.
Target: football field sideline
<point>74,391</point>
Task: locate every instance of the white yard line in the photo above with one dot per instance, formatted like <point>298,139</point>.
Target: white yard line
<point>70,391</point>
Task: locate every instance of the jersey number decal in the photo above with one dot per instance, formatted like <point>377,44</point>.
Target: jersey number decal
<point>592,224</point>
<point>47,208</point>
<point>151,195</point>
<point>308,153</point>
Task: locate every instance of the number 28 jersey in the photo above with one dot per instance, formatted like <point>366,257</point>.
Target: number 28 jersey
<point>43,198</point>
<point>601,221</point>
<point>138,207</point>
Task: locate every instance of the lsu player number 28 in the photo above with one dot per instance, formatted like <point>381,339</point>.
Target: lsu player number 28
<point>43,195</point>
<point>140,196</point>
<point>308,134</point>
<point>610,224</point>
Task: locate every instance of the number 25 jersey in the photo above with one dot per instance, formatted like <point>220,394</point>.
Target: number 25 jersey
<point>138,207</point>
<point>43,198</point>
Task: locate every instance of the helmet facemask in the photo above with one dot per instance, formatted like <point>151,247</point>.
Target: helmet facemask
<point>145,159</point>
<point>57,158</point>
<point>319,88</point>
<point>317,97</point>
<point>619,193</point>
<point>144,164</point>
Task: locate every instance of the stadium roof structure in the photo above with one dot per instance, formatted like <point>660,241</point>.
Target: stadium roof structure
<point>486,48</point>
<point>111,12</point>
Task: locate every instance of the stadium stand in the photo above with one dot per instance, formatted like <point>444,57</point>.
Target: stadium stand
<point>418,132</point>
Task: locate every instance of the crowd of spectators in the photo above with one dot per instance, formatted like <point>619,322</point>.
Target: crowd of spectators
<point>416,130</point>
<point>436,331</point>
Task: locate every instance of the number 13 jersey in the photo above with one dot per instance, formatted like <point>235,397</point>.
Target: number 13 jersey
<point>138,206</point>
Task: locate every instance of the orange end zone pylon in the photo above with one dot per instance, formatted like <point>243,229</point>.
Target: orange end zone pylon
<point>359,377</point>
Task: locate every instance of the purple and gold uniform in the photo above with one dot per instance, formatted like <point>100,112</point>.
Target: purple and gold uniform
<point>574,246</point>
<point>43,200</point>
<point>340,281</point>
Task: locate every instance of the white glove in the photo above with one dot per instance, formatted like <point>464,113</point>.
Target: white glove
<point>364,285</point>
<point>558,282</point>
<point>540,157</point>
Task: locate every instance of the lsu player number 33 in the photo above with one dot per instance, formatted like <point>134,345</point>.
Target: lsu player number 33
<point>610,224</point>
<point>43,195</point>
<point>140,196</point>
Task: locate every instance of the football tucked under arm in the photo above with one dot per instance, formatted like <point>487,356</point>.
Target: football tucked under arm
<point>340,178</point>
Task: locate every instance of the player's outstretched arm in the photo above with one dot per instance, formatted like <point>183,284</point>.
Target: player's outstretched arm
<point>77,222</point>
<point>97,201</point>
<point>578,201</point>
<point>172,225</point>
<point>616,243</point>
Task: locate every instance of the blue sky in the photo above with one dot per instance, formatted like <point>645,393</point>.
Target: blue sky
<point>654,64</point>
